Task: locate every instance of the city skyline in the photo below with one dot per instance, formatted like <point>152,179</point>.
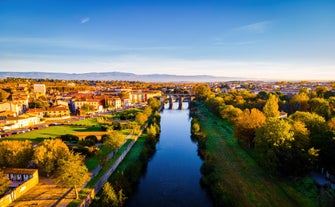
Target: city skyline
<point>250,39</point>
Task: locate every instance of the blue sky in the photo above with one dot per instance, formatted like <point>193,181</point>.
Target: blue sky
<point>256,39</point>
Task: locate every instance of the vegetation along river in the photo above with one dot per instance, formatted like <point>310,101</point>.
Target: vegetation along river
<point>173,174</point>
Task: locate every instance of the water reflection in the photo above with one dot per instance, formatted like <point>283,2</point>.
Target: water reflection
<point>173,174</point>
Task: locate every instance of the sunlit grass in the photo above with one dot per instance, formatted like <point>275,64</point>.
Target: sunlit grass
<point>52,132</point>
<point>239,175</point>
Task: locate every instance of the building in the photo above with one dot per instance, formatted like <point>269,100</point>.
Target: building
<point>114,102</point>
<point>97,104</point>
<point>21,121</point>
<point>151,94</point>
<point>22,181</point>
<point>16,107</point>
<point>39,90</point>
<point>58,111</point>
<point>136,97</point>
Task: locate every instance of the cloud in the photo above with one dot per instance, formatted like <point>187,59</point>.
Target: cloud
<point>85,20</point>
<point>255,27</point>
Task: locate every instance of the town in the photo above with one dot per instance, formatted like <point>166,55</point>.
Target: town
<point>84,114</point>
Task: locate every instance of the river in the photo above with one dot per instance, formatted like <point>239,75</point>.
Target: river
<point>173,174</point>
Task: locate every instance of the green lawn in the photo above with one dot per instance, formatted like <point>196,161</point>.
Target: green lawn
<point>92,182</point>
<point>237,176</point>
<point>52,132</point>
<point>93,161</point>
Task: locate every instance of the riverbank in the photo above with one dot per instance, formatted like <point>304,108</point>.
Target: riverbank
<point>233,177</point>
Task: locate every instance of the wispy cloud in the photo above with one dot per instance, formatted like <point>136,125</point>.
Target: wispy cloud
<point>85,20</point>
<point>77,44</point>
<point>255,27</point>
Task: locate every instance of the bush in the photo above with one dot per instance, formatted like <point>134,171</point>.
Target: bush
<point>69,138</point>
<point>90,140</point>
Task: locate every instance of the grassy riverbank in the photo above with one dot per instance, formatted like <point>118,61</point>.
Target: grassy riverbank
<point>233,176</point>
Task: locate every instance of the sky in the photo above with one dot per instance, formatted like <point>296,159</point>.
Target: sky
<point>256,39</point>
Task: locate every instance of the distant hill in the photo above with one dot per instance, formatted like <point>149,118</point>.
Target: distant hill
<point>117,76</point>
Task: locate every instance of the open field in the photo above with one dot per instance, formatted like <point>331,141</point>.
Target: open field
<point>52,132</point>
<point>238,178</point>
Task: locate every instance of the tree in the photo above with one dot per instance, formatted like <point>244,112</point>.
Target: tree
<point>15,153</point>
<point>90,140</point>
<point>271,107</point>
<point>154,103</point>
<point>141,118</point>
<point>320,106</point>
<point>246,124</point>
<point>135,127</point>
<point>320,91</point>
<point>195,126</point>
<point>331,124</point>
<point>231,113</point>
<point>299,102</point>
<point>48,154</point>
<point>273,140</point>
<point>314,122</point>
<point>87,108</point>
<point>39,103</point>
<point>202,91</point>
<point>110,198</point>
<point>147,111</point>
<point>4,183</point>
<point>72,171</point>
<point>114,140</point>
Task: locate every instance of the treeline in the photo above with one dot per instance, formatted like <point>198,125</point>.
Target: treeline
<point>288,135</point>
<point>125,179</point>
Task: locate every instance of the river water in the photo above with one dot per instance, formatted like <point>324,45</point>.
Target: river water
<point>173,174</point>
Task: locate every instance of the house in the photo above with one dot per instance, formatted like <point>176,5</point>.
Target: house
<point>37,112</point>
<point>97,104</point>
<point>39,90</point>
<point>136,97</point>
<point>282,115</point>
<point>22,181</point>
<point>16,107</point>
<point>151,94</point>
<point>58,111</point>
<point>114,102</point>
<point>21,121</point>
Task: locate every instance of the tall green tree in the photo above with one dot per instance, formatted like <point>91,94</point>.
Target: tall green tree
<point>48,154</point>
<point>315,123</point>
<point>230,112</point>
<point>114,140</point>
<point>272,141</point>
<point>110,198</point>
<point>320,106</point>
<point>271,107</point>
<point>246,125</point>
<point>72,172</point>
<point>15,153</point>
<point>202,91</point>
<point>141,118</point>
<point>299,102</point>
<point>154,103</point>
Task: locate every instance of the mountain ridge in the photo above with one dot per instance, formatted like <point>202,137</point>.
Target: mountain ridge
<point>122,76</point>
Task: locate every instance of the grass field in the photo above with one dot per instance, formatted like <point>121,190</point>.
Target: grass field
<point>239,176</point>
<point>52,132</point>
